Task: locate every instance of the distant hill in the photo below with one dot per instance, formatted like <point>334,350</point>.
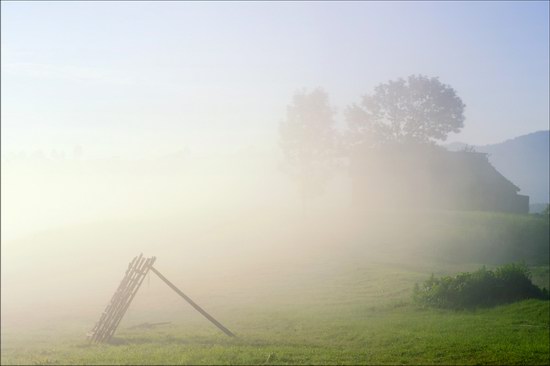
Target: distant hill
<point>524,160</point>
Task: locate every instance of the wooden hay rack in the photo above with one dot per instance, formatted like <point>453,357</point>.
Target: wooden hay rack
<point>137,269</point>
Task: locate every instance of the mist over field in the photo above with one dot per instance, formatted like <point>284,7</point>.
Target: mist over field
<point>296,170</point>
<point>231,230</point>
<point>210,214</point>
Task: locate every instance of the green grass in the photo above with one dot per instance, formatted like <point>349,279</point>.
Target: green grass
<point>481,237</point>
<point>344,299</point>
<point>360,314</point>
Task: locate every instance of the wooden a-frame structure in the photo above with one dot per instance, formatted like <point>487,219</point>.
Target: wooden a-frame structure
<point>123,296</point>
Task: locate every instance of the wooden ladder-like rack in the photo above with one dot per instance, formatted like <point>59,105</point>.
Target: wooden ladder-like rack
<point>123,296</point>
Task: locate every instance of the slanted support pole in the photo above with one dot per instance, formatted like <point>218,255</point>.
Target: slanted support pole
<point>193,304</point>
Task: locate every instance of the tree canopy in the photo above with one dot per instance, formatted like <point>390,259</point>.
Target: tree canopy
<point>419,109</point>
<point>308,138</point>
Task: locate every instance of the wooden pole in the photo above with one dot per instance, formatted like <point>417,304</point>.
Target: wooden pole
<point>141,273</point>
<point>113,314</point>
<point>105,333</point>
<point>117,299</point>
<point>193,304</point>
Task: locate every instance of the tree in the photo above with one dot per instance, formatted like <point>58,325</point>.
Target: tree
<point>417,110</point>
<point>308,140</point>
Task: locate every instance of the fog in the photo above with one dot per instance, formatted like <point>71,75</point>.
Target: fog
<point>197,134</point>
<point>230,230</point>
<point>70,227</point>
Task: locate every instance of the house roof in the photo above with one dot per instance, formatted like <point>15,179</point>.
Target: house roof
<point>438,163</point>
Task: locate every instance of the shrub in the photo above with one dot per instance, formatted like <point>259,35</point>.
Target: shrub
<point>482,288</point>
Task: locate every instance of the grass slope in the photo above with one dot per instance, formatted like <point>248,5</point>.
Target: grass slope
<point>344,297</point>
<point>355,314</point>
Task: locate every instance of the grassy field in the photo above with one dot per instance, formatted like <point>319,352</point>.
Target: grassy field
<point>516,334</point>
<point>340,306</point>
<point>361,315</point>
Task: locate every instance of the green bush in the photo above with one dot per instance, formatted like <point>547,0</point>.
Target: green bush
<point>482,288</point>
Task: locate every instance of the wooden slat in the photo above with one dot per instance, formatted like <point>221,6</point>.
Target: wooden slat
<point>142,274</point>
<point>123,298</point>
<point>113,299</point>
<point>116,300</point>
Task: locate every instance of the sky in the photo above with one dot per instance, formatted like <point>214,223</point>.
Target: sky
<point>139,79</point>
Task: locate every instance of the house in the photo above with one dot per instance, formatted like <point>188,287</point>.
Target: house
<point>430,177</point>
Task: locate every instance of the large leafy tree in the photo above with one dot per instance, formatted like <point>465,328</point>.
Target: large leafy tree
<point>308,140</point>
<point>418,109</point>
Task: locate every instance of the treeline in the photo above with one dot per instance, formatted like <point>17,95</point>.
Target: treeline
<point>418,110</point>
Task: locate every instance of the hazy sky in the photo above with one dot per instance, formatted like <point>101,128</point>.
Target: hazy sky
<point>146,78</point>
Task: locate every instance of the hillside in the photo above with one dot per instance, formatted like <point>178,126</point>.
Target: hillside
<point>293,293</point>
<point>524,160</point>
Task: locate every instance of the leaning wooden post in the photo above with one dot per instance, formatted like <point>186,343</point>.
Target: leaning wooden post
<point>193,304</point>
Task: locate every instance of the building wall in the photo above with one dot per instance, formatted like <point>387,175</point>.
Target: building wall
<point>393,180</point>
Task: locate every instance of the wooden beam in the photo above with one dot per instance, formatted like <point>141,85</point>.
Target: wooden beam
<point>141,273</point>
<point>192,303</point>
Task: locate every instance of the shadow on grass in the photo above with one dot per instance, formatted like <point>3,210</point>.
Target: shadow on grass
<point>117,341</point>
<point>170,340</point>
